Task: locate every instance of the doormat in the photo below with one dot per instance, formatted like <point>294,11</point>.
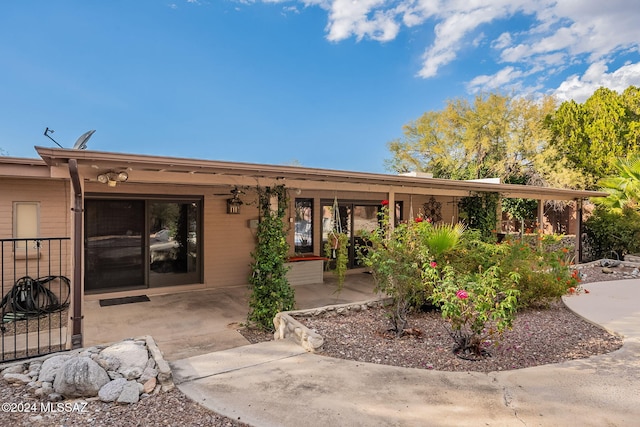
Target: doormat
<point>123,300</point>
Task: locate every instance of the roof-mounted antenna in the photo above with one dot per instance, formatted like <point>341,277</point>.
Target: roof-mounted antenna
<point>47,131</point>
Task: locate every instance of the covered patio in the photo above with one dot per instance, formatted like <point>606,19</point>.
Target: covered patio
<point>186,324</point>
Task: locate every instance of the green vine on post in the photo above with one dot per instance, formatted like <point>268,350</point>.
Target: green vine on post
<point>270,289</point>
<point>479,212</point>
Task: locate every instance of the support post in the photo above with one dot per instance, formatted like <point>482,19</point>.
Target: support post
<point>76,319</point>
<point>392,210</point>
<point>578,244</point>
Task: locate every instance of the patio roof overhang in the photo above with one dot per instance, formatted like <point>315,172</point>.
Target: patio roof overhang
<point>182,171</point>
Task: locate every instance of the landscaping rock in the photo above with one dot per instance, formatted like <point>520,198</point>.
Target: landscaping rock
<point>132,355</point>
<point>111,390</point>
<point>47,388</point>
<point>120,372</point>
<point>15,369</point>
<point>55,397</point>
<point>147,375</point>
<point>130,393</point>
<point>150,385</point>
<point>50,367</point>
<point>17,378</point>
<point>108,363</point>
<point>80,376</point>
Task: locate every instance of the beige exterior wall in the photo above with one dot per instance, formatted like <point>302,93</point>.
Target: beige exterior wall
<point>54,219</point>
<point>227,240</point>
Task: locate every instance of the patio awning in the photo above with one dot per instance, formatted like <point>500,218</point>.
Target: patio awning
<point>162,170</point>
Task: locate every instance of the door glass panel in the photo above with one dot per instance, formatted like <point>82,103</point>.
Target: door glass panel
<point>173,228</point>
<point>114,246</point>
<point>365,219</point>
<point>303,239</point>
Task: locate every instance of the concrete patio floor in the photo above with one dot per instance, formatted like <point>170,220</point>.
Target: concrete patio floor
<point>191,323</point>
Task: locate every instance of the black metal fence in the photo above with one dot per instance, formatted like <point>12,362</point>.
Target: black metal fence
<point>35,289</point>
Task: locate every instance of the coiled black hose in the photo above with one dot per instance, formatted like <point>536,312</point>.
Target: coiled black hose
<point>32,298</point>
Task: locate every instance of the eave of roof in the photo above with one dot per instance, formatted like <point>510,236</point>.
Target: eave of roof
<point>58,157</point>
<point>23,167</point>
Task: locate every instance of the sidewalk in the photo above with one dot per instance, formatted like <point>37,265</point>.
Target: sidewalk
<point>278,384</point>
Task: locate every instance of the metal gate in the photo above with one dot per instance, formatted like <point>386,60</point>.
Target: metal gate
<point>36,290</point>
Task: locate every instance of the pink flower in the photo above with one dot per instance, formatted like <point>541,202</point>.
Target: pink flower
<point>433,264</point>
<point>428,219</point>
<point>418,219</point>
<point>384,202</point>
<point>462,294</point>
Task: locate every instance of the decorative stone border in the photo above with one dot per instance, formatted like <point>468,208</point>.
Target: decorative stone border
<point>287,326</point>
<point>120,370</point>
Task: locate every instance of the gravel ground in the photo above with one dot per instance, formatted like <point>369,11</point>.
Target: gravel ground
<point>538,337</point>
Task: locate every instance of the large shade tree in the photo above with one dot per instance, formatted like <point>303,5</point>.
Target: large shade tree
<point>493,136</point>
<point>591,137</point>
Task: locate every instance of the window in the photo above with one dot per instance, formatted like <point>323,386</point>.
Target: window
<point>26,221</point>
<point>303,239</point>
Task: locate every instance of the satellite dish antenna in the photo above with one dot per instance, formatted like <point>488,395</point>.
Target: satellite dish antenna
<point>81,143</point>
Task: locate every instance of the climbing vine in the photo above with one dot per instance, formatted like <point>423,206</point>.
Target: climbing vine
<point>270,289</point>
<point>479,212</point>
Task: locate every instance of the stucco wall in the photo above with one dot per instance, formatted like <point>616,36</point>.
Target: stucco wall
<point>54,221</point>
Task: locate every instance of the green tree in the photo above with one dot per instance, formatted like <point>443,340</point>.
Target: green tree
<point>493,136</point>
<point>592,136</point>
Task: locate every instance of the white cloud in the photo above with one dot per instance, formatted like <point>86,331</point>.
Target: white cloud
<point>560,32</point>
<point>363,18</point>
<point>580,88</point>
<point>503,78</point>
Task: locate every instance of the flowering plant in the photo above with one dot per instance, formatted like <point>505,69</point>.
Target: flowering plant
<point>479,313</point>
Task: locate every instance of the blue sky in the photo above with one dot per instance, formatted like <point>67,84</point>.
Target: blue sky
<point>320,83</point>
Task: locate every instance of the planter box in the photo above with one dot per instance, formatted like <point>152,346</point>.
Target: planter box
<point>305,270</point>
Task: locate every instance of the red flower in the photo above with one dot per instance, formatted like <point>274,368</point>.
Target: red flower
<point>419,219</point>
<point>462,294</point>
<point>384,202</point>
<point>433,264</point>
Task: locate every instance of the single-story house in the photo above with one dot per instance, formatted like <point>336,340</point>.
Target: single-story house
<point>167,224</point>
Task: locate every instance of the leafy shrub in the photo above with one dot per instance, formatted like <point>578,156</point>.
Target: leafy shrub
<point>396,262</point>
<point>479,307</point>
<point>609,231</point>
<point>543,267</point>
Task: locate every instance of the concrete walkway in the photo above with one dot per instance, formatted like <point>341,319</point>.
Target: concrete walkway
<point>278,384</point>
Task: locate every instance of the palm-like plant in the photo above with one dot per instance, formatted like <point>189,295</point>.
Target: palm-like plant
<point>623,189</point>
<point>442,238</point>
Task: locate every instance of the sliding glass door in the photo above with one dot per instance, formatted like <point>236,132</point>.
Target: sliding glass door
<point>353,218</point>
<point>114,244</point>
<point>137,244</point>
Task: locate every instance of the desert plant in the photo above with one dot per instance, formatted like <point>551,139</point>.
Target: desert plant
<point>442,238</point>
